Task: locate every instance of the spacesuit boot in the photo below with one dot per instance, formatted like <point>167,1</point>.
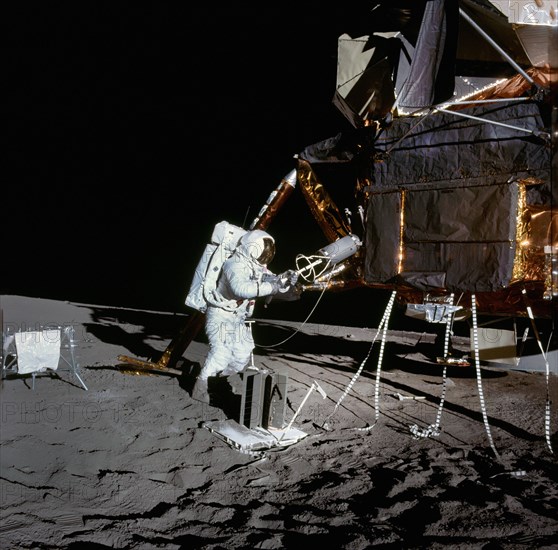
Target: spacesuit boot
<point>199,392</point>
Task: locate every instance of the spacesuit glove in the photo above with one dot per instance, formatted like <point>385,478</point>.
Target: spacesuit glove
<point>283,282</point>
<point>288,278</point>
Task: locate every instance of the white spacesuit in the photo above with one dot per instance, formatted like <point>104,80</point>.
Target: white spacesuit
<point>243,278</point>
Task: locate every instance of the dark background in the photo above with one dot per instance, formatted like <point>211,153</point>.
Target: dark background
<point>131,129</point>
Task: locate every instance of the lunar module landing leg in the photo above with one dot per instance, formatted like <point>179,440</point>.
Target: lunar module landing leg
<point>174,350</point>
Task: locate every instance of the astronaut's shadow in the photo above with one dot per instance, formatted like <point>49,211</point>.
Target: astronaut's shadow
<point>224,391</point>
<point>223,394</point>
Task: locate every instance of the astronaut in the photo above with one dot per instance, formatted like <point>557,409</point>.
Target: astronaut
<point>243,278</point>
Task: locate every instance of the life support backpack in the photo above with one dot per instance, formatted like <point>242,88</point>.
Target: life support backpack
<point>224,240</point>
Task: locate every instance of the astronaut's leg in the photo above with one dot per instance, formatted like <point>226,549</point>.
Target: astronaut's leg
<point>240,348</point>
<point>217,326</point>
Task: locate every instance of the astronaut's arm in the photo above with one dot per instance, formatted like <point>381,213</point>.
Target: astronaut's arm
<point>270,284</point>
<point>283,282</point>
<point>248,289</point>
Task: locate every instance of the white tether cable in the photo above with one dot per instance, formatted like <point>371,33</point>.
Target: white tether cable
<point>383,326</point>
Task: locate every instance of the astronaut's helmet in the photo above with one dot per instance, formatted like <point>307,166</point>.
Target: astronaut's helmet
<point>258,245</point>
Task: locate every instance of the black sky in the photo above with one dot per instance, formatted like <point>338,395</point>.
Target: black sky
<point>131,129</point>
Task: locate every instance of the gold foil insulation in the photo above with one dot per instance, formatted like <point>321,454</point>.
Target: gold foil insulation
<point>320,203</point>
<point>512,87</point>
<point>522,238</point>
<point>534,247</point>
<point>401,232</point>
